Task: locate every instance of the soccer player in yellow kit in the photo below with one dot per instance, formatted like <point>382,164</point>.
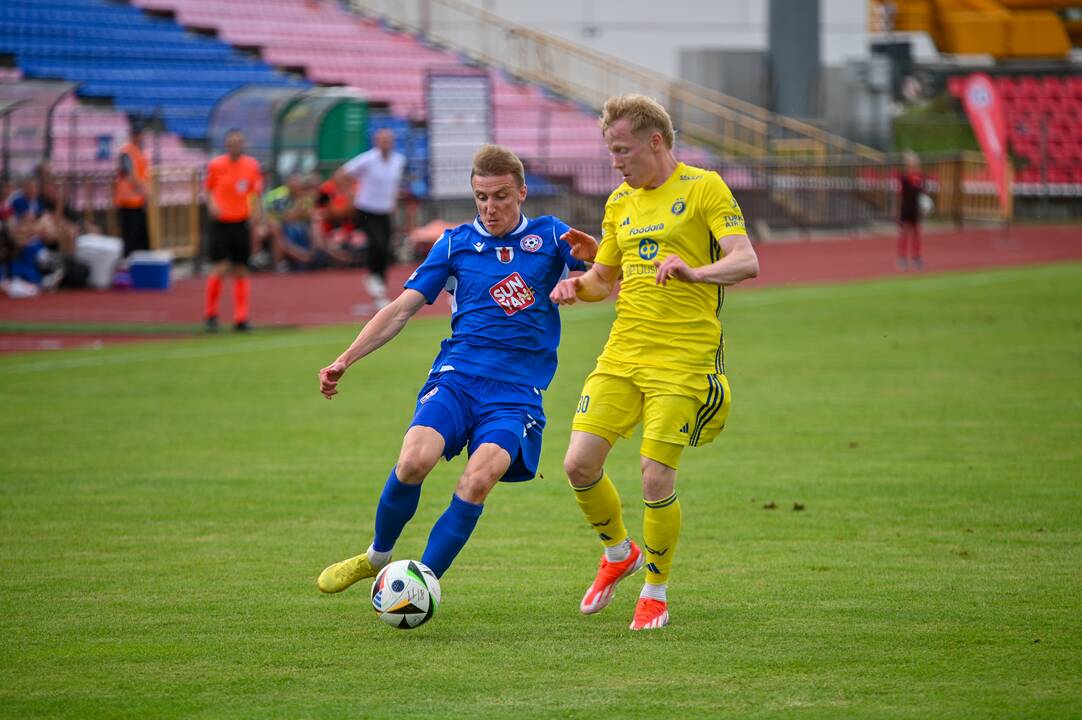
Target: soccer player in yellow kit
<point>676,236</point>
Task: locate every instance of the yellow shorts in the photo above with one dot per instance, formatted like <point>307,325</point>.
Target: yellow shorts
<point>676,408</point>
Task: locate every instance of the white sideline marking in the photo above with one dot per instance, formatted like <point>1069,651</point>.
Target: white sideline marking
<point>760,298</point>
<point>164,353</point>
<point>887,285</point>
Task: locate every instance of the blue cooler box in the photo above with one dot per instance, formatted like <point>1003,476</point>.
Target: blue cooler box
<point>150,269</point>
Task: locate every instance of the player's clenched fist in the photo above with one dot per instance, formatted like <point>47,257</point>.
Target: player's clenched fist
<point>329,377</point>
<point>565,292</point>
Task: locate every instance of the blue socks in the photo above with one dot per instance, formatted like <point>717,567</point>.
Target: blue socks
<point>396,506</point>
<point>450,534</point>
<point>398,503</point>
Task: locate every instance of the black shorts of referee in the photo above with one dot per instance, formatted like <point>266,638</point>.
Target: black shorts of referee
<point>230,241</point>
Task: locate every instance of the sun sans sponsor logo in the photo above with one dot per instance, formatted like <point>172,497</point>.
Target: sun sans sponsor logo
<point>530,243</point>
<point>512,294</point>
<point>647,229</point>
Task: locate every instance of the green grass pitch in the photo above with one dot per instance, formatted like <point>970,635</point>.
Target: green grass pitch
<point>165,509</point>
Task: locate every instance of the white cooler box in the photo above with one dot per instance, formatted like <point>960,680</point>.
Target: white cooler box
<point>100,253</point>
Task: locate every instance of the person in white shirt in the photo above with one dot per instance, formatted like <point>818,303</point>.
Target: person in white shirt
<point>379,174</point>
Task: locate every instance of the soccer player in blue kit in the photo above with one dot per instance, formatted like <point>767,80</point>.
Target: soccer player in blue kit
<point>484,390</point>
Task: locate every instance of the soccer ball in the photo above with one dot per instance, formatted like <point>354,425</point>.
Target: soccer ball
<point>405,594</point>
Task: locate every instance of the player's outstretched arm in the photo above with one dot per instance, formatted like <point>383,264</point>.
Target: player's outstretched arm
<point>383,326</point>
<point>738,263</point>
<point>593,285</point>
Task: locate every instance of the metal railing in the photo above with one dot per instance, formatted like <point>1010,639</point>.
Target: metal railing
<point>730,126</point>
<point>173,213</point>
<point>776,193</point>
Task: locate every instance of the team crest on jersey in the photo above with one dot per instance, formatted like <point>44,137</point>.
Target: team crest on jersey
<point>512,294</point>
<point>530,243</point>
<point>648,248</point>
<point>505,254</point>
<point>679,207</point>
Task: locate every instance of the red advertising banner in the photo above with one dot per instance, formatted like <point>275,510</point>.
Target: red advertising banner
<point>985,111</point>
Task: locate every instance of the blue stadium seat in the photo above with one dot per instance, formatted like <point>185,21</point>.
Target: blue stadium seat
<point>146,65</point>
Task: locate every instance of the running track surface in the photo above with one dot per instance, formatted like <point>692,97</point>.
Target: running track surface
<point>335,297</point>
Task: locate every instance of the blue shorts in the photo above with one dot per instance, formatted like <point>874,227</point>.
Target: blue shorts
<point>469,411</point>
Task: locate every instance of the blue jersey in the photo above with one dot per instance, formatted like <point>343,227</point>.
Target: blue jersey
<point>503,325</point>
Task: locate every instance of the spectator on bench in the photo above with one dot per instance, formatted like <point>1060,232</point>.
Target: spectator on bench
<point>297,241</point>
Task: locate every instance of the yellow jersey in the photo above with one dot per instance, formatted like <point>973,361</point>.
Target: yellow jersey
<point>676,326</point>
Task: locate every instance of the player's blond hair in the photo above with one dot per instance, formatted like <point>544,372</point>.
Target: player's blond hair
<point>491,160</point>
<point>644,114</point>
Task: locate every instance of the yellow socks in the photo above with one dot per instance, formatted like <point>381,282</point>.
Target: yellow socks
<point>660,531</point>
<point>600,503</point>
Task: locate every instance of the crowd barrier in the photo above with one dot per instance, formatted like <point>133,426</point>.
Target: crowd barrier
<point>778,194</point>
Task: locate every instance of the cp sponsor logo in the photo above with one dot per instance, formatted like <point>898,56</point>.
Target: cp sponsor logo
<point>530,243</point>
<point>512,294</point>
<point>648,248</point>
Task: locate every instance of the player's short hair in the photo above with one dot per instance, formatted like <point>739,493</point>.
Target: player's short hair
<point>492,160</point>
<point>644,113</point>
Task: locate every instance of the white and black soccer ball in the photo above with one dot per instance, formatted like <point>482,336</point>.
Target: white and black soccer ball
<point>406,594</point>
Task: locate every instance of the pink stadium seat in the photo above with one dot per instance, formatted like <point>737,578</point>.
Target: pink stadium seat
<point>1028,87</point>
<point>1006,86</point>
<point>79,131</point>
<point>1053,86</point>
<point>1029,175</point>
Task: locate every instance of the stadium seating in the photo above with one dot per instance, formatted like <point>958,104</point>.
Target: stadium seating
<point>82,142</point>
<point>1039,107</point>
<point>332,46</point>
<point>145,65</point>
<point>335,47</point>
<point>180,74</point>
